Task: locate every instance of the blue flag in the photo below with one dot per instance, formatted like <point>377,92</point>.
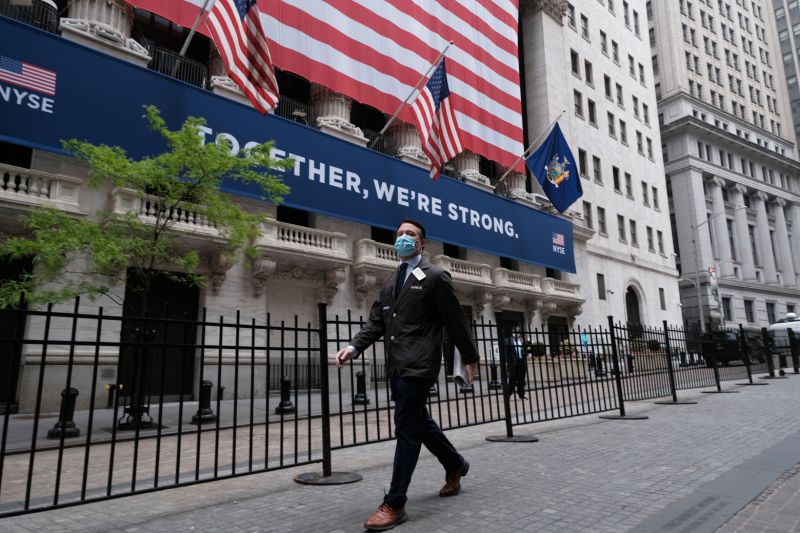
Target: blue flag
<point>556,171</point>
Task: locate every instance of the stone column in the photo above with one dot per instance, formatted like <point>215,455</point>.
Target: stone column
<point>468,169</point>
<point>794,211</point>
<point>782,247</point>
<point>743,235</point>
<point>104,25</point>
<point>720,228</point>
<point>409,145</point>
<point>333,114</point>
<point>221,83</point>
<point>764,242</point>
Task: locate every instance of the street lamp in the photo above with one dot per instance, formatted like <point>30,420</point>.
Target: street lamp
<point>694,228</point>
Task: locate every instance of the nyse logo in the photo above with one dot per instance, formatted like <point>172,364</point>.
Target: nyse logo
<point>559,244</point>
<point>20,82</point>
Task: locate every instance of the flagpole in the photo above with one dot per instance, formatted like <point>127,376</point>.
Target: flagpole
<point>194,28</point>
<point>534,143</point>
<point>422,79</point>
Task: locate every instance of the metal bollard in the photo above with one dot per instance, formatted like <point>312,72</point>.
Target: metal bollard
<point>204,412</point>
<point>494,384</point>
<point>65,425</point>
<point>286,406</point>
<point>112,393</point>
<point>361,389</point>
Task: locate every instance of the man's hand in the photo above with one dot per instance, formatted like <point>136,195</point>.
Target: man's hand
<point>342,356</point>
<point>470,368</point>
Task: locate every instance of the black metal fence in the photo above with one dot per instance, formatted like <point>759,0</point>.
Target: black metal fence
<point>113,405</point>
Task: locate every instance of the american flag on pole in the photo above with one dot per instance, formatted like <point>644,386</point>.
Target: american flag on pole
<point>436,122</point>
<point>375,51</point>
<point>235,27</point>
<point>24,74</point>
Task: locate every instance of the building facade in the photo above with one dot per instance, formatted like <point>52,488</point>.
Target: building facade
<point>593,63</point>
<point>591,70</point>
<point>730,159</point>
<point>787,20</point>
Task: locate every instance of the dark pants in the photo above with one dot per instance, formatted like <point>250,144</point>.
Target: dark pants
<point>516,372</point>
<point>413,428</point>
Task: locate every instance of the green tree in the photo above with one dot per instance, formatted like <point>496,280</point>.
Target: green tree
<point>75,255</point>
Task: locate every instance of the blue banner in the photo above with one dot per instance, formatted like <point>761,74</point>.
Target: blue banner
<point>71,91</point>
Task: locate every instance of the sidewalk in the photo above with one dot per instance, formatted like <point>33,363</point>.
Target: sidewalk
<point>688,468</point>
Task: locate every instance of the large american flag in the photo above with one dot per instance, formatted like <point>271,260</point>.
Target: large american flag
<point>26,75</point>
<point>375,51</point>
<point>237,31</point>
<point>436,122</point>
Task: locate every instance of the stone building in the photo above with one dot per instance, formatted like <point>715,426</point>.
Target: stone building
<point>730,159</point>
<point>590,59</point>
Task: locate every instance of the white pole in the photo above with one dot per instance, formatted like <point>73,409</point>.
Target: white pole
<point>534,143</point>
<point>414,90</point>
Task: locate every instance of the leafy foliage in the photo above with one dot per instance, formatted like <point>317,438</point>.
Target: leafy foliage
<point>86,255</point>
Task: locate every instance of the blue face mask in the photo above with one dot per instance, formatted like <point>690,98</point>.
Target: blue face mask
<point>405,246</point>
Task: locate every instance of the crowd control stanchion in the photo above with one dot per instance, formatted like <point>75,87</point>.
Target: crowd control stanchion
<point>795,349</point>
<point>505,390</point>
<point>671,372</point>
<point>769,348</point>
<point>618,379</point>
<point>328,476</point>
<point>748,359</point>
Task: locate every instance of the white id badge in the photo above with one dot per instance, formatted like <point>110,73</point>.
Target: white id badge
<point>418,273</point>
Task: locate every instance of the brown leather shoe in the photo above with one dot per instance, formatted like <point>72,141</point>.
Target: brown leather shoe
<point>386,517</point>
<point>452,485</point>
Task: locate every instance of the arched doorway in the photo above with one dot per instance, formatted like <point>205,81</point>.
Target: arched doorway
<point>632,306</point>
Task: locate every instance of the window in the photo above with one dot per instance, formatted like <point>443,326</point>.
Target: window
<point>639,143</point>
<point>649,148</point>
<point>588,72</point>
<point>660,239</point>
<point>751,230</point>
<point>601,221</point>
<point>771,312</point>
<point>571,16</point>
<point>576,62</point>
<point>598,173</point>
<point>615,175</point>
<point>612,132</point>
<point>585,27</point>
<point>790,308</point>
<point>603,43</point>
<point>662,298</point>
<point>582,162</point>
<point>620,99</point>
<point>621,228</point>
<point>646,114</point>
<point>634,236</point>
<point>623,132</point>
<point>615,52</point>
<point>607,85</point>
<point>628,185</point>
<point>649,232</point>
<point>631,66</point>
<point>592,112</point>
<point>645,195</point>
<point>726,308</point>
<point>731,239</point>
<point>601,286</point>
<point>578,97</point>
<point>587,215</point>
<point>748,311</point>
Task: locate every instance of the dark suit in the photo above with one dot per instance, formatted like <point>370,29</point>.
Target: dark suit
<point>412,326</point>
<point>515,360</point>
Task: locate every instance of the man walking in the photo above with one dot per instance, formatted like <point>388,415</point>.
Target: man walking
<point>414,305</point>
